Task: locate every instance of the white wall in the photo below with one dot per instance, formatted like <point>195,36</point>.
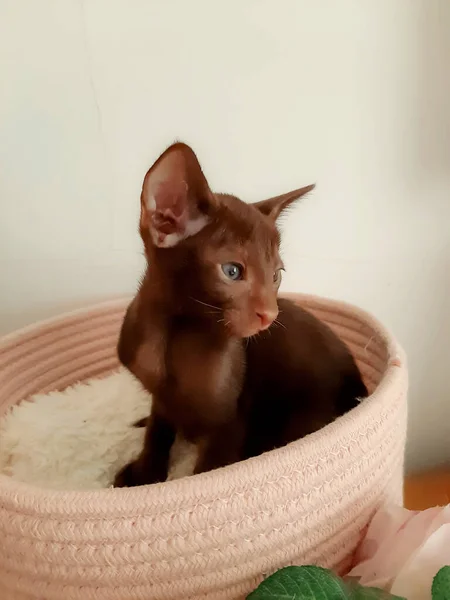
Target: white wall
<point>354,95</point>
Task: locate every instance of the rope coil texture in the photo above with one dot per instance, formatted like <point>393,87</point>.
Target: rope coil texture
<point>212,536</point>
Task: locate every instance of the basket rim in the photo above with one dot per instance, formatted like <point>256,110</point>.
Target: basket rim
<point>196,489</point>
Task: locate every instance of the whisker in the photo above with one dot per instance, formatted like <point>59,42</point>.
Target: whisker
<point>280,323</point>
<point>206,304</point>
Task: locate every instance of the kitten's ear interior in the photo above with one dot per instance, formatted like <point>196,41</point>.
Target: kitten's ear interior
<point>176,201</point>
<point>273,207</point>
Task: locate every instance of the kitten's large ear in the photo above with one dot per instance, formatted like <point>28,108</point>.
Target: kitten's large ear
<point>176,201</point>
<point>273,207</point>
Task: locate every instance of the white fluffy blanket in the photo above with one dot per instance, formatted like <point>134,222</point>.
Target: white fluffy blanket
<point>80,437</point>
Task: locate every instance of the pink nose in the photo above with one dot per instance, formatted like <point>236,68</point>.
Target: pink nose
<point>266,318</point>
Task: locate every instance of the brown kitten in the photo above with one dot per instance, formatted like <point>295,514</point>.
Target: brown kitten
<point>211,284</point>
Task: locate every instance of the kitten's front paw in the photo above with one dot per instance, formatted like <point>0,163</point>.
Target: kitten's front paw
<point>126,477</point>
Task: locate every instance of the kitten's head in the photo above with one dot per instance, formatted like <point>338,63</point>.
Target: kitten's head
<point>219,255</point>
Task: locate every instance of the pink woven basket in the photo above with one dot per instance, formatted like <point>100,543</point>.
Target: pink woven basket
<point>210,536</point>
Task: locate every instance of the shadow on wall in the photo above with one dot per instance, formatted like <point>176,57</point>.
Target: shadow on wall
<point>430,413</point>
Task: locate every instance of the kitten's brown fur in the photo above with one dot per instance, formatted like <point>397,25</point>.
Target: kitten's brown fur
<point>187,335</point>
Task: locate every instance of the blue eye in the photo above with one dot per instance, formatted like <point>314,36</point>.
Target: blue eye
<point>277,276</point>
<point>233,271</point>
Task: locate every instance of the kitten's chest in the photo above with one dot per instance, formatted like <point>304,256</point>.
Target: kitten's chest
<point>203,379</point>
<point>194,375</point>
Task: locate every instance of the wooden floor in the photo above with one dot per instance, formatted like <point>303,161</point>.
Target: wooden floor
<point>431,488</point>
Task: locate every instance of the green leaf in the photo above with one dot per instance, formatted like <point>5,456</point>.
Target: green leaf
<point>314,583</point>
<point>301,583</point>
<point>360,592</point>
<point>440,590</point>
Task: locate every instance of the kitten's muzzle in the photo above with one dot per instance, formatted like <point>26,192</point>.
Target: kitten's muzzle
<point>266,318</point>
